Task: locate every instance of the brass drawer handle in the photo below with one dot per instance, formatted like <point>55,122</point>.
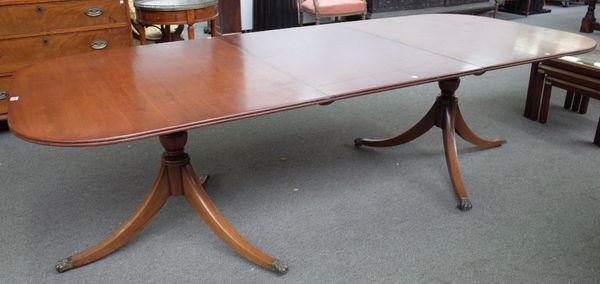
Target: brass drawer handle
<point>94,12</point>
<point>99,44</point>
<point>3,95</point>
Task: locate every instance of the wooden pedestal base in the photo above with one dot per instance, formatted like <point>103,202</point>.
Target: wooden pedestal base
<point>176,177</point>
<point>446,115</point>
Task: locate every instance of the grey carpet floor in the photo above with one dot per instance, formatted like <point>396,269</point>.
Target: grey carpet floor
<point>337,214</point>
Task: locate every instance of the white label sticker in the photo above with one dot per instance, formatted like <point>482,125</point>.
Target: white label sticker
<point>12,99</point>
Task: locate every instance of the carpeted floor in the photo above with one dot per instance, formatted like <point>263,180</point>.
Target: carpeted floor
<point>293,184</point>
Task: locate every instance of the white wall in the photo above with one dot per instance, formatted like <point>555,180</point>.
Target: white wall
<point>246,14</point>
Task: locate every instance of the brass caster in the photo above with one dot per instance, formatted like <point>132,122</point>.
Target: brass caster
<point>63,265</point>
<point>465,205</point>
<point>280,267</point>
<point>358,142</point>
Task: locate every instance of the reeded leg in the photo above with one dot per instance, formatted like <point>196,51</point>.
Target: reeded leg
<point>426,123</point>
<point>190,23</point>
<point>155,199</point>
<point>466,133</point>
<point>191,32</point>
<point>452,158</point>
<point>200,201</point>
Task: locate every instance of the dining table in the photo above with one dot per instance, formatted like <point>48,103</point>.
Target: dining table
<point>166,90</point>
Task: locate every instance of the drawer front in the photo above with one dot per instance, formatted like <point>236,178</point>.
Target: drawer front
<point>44,17</point>
<point>18,53</point>
<point>4,81</point>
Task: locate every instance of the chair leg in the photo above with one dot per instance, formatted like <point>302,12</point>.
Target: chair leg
<point>142,32</point>
<point>301,19</point>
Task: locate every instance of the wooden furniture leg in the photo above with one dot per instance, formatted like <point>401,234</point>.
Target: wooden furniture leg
<point>463,130</point>
<point>190,22</point>
<point>585,102</point>
<point>545,102</point>
<point>444,114</point>
<point>155,199</point>
<point>576,102</point>
<point>176,177</point>
<point>597,138</point>
<point>213,28</point>
<point>568,100</point>
<point>142,31</point>
<point>534,92</point>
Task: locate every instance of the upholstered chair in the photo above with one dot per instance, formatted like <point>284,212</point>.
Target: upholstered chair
<point>331,9</point>
<point>153,33</point>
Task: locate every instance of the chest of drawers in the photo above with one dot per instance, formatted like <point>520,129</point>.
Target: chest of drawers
<point>35,30</point>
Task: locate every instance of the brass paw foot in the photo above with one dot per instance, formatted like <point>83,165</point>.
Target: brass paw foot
<point>358,142</point>
<point>280,267</point>
<point>64,264</point>
<point>203,179</point>
<point>465,205</point>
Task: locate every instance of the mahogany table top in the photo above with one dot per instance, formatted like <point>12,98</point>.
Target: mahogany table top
<point>133,93</point>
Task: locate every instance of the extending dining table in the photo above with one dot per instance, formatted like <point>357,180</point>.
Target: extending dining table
<point>165,90</point>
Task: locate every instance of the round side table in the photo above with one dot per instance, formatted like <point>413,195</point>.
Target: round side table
<point>175,12</point>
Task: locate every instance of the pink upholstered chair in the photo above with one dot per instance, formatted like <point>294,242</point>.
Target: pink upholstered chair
<point>331,8</point>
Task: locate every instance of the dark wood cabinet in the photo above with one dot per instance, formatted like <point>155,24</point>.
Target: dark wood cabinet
<point>229,20</point>
<point>36,30</point>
